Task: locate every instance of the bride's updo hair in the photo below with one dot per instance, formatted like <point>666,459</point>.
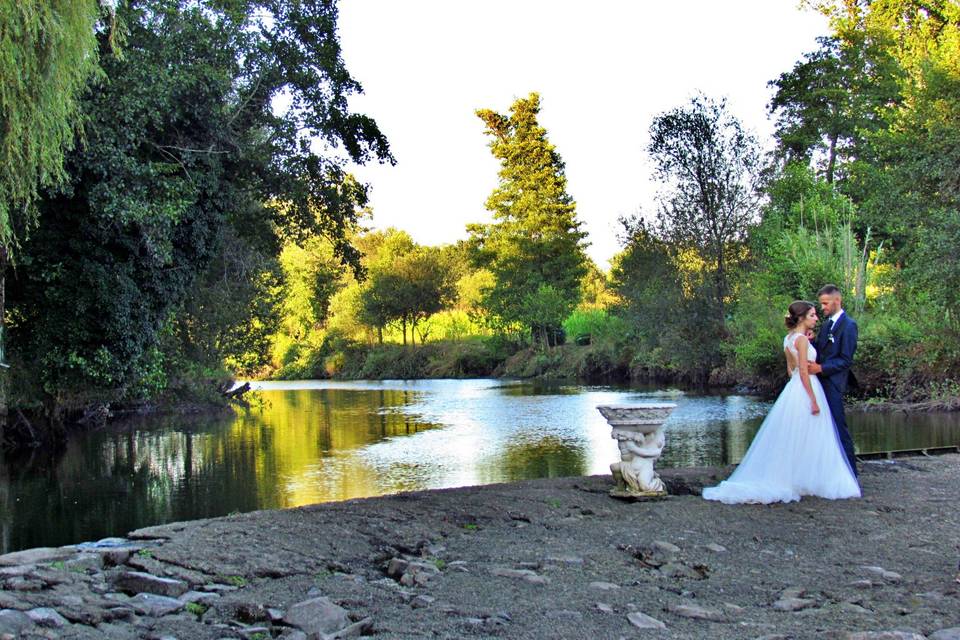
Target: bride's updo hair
<point>795,313</point>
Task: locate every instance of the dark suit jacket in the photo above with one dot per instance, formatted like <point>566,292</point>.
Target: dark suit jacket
<point>836,355</point>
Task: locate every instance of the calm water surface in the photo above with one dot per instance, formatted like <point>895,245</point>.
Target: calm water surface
<point>321,441</point>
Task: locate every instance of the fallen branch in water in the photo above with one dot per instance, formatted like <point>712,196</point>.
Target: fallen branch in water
<point>237,393</point>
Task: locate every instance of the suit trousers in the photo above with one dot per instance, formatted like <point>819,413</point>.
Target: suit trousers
<point>835,402</point>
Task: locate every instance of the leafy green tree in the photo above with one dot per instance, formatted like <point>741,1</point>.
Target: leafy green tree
<point>429,285</point>
<point>48,53</point>
<point>182,142</point>
<point>409,288</point>
<point>710,168</point>
<point>535,239</point>
<point>829,102</point>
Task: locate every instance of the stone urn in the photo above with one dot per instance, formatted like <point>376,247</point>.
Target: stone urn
<point>638,430</point>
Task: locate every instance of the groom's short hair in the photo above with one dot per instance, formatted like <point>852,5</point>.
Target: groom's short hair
<point>828,290</point>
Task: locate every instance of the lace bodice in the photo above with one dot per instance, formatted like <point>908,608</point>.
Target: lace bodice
<point>790,343</point>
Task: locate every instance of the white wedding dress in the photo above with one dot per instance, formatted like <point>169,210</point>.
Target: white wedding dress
<point>794,454</point>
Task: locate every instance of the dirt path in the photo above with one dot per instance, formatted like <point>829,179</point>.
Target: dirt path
<point>539,559</point>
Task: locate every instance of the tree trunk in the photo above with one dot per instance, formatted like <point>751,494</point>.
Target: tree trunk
<point>403,322</point>
<point>380,335</point>
<point>832,158</point>
<point>413,331</point>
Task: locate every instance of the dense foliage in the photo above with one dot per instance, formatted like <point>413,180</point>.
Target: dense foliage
<point>207,224</point>
<point>187,165</point>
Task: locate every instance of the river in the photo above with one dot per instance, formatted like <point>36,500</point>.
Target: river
<point>317,441</point>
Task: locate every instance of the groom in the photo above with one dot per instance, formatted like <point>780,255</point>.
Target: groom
<point>836,344</point>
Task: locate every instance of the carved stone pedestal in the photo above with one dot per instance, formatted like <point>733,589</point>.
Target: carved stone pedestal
<point>638,430</point>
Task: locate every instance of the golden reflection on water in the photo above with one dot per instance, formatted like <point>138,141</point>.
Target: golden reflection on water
<point>316,442</point>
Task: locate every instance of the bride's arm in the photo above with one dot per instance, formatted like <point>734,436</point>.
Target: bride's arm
<point>803,365</point>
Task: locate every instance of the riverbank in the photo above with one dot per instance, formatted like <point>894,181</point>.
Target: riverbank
<point>551,558</point>
<point>593,363</point>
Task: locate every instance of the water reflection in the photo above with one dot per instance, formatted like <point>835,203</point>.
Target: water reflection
<point>321,441</point>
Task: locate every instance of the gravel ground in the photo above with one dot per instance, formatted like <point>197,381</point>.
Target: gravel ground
<point>553,558</point>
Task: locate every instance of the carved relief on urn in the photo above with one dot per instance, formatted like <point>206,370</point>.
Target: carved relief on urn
<point>638,430</point>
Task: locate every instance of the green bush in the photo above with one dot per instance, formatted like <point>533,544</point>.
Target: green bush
<point>597,323</point>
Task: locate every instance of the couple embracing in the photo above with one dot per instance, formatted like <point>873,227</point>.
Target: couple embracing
<point>803,447</point>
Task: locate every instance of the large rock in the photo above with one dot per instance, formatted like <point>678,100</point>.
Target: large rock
<point>13,622</point>
<point>36,556</point>
<point>47,617</point>
<point>150,604</point>
<point>139,582</point>
<point>317,615</point>
<point>946,634</point>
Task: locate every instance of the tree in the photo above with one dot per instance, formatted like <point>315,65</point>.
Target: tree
<point>831,100</point>
<point>407,289</point>
<point>429,285</point>
<point>182,142</point>
<point>48,52</point>
<point>710,168</point>
<point>535,239</point>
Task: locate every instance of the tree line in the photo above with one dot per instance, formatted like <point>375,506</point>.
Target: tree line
<point>164,224</point>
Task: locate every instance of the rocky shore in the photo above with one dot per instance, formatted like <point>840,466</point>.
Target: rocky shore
<point>538,559</point>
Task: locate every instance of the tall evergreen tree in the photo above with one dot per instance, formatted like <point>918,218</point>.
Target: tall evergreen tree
<point>535,246</point>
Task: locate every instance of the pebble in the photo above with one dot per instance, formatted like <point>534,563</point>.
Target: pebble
<point>862,584</point>
<point>603,607</point>
<point>422,601</point>
<point>696,612</point>
<point>716,548</point>
<point>604,586</point>
<point>889,576</point>
<point>565,613</point>
<point>643,621</point>
<point>666,547</point>
<point>885,635</point>
<point>570,560</point>
<point>203,597</point>
<point>521,574</point>
<point>793,604</point>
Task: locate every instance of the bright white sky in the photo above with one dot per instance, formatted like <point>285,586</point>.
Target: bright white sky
<point>603,69</point>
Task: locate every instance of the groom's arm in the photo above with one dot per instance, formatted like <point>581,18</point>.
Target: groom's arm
<point>842,360</point>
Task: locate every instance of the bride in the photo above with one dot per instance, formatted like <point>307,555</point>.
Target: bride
<point>796,452</point>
